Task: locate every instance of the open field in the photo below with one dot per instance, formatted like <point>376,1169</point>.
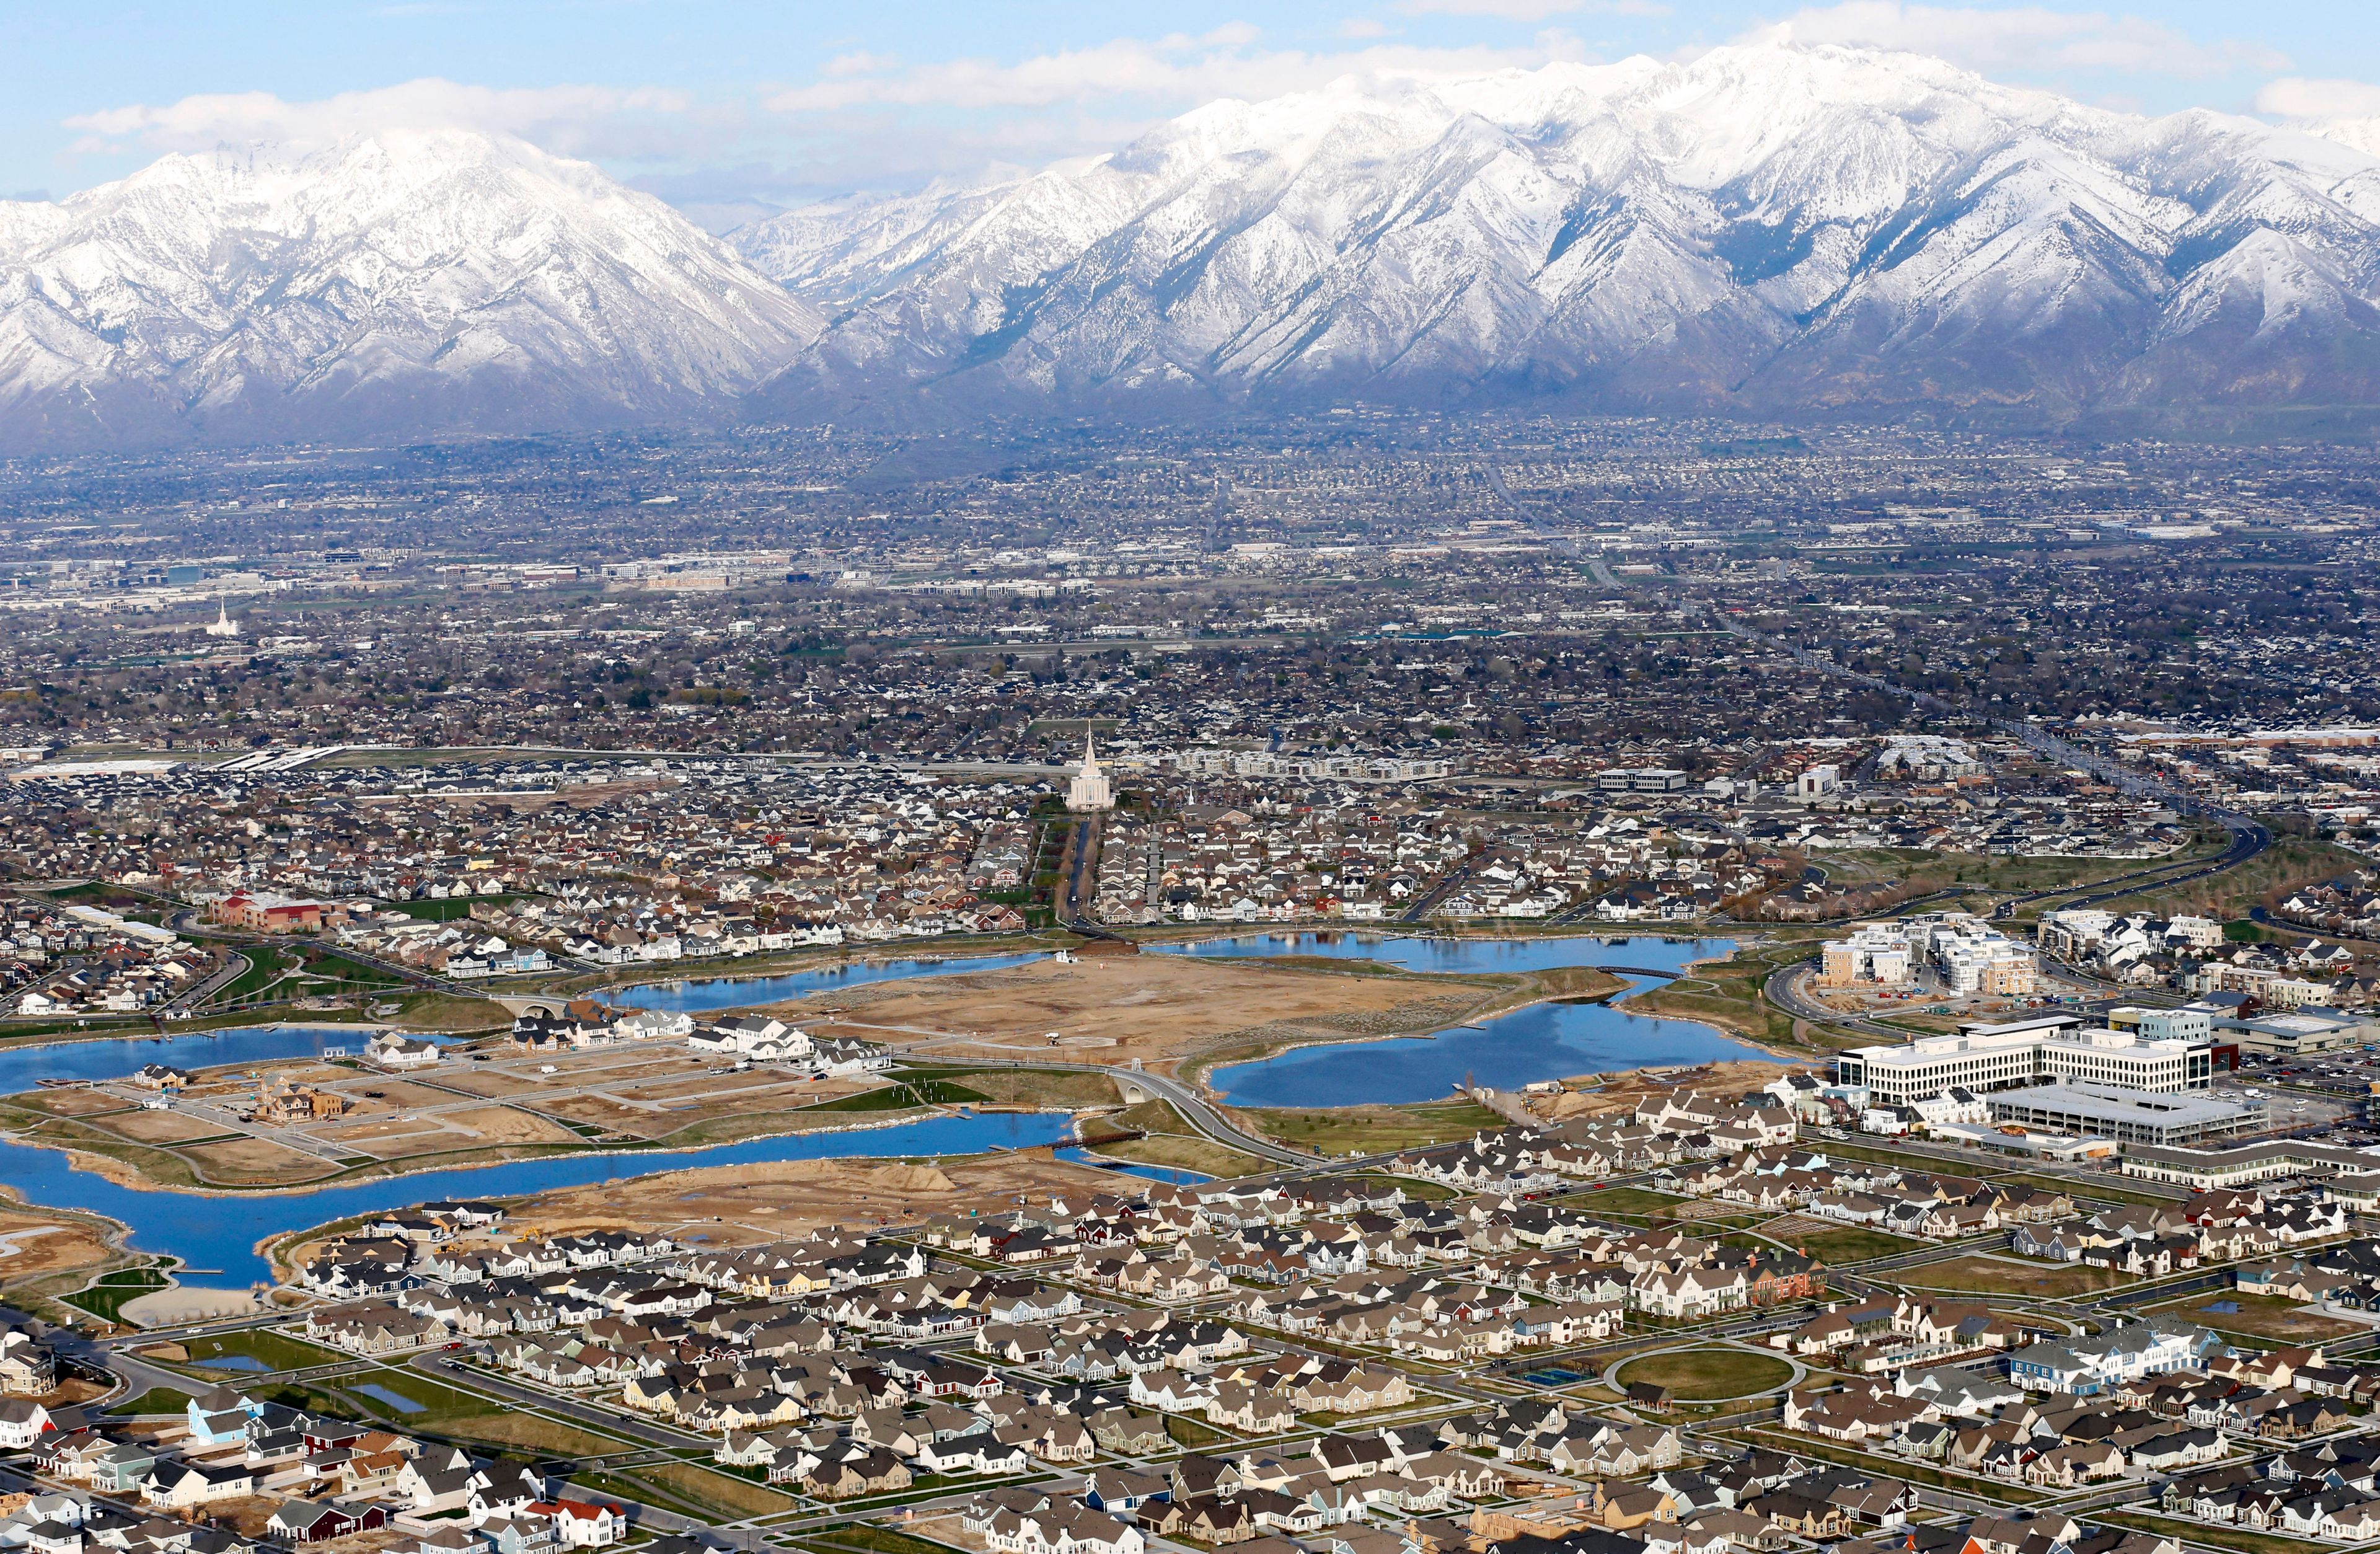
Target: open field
<point>1371,1130</point>
<point>726,1492</point>
<point>1187,1151</point>
<point>1160,1009</point>
<point>276,1350</point>
<point>1630,1200</point>
<point>743,1205</point>
<point>2269,1316</point>
<point>1836,1244</point>
<point>1991,1275</point>
<point>1700,1375</point>
<point>1727,993</point>
<point>2290,862</point>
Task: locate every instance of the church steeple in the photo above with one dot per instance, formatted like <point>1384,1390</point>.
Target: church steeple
<point>1089,789</point>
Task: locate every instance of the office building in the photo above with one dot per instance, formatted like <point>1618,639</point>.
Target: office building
<point>1992,1057</point>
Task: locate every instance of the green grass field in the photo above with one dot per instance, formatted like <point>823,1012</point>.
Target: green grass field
<point>1370,1130</point>
<point>1844,1243</point>
<point>108,1293</point>
<point>1703,1374</point>
<point>276,1350</point>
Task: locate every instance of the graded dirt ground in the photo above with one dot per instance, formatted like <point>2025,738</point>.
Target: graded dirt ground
<point>744,1204</point>
<point>34,1242</point>
<point>1157,1009</point>
<point>249,1160</point>
<point>156,1127</point>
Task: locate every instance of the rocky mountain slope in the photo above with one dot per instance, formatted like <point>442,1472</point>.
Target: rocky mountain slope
<point>1766,227</point>
<point>398,284</point>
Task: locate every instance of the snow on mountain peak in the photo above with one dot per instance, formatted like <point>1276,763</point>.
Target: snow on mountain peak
<point>404,280</point>
<point>1767,223</point>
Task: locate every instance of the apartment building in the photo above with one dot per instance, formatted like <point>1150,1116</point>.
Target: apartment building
<point>1874,954</point>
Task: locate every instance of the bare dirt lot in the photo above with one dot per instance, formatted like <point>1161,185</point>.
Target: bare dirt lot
<point>34,1242</point>
<point>68,1103</point>
<point>734,1206</point>
<point>156,1127</point>
<point>255,1160</point>
<point>488,1125</point>
<point>1158,1009</point>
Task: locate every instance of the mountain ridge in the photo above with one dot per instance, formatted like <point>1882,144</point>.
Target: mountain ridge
<point>1770,230</point>
<point>408,281</point>
<point>1765,228</point>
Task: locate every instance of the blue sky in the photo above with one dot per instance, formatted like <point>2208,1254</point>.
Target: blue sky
<point>728,106</point>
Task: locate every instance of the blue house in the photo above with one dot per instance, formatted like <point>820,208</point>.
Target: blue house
<point>219,1416</point>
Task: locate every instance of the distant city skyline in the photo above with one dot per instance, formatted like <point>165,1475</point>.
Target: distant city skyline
<point>731,109</point>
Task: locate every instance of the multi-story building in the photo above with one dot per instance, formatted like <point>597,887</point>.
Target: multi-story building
<point>1875,952</point>
<point>1975,958</point>
<point>1989,1057</point>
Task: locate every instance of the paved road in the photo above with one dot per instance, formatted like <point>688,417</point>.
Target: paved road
<point>1783,989</point>
<point>1197,1111</point>
<point>616,1421</point>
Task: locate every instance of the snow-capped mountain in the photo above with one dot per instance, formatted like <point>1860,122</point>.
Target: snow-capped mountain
<point>1766,227</point>
<point>1770,228</point>
<point>394,284</point>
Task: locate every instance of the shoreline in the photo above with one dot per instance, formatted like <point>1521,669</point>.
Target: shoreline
<point>972,947</point>
<point>634,1162</point>
<point>362,1028</point>
<point>112,1169</point>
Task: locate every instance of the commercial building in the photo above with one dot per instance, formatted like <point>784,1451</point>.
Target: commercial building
<point>1642,780</point>
<point>2309,1028</point>
<point>2129,1116</point>
<point>1983,1057</point>
<point>2205,1169</point>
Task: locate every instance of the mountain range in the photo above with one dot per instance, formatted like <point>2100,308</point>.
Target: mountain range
<point>1772,229</point>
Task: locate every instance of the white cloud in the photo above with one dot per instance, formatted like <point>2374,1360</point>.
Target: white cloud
<point>1533,10</point>
<point>2020,38</point>
<point>2301,97</point>
<point>1178,70</point>
<point>563,118</point>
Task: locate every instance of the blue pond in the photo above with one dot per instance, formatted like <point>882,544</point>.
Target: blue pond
<point>737,992</point>
<point>397,1401</point>
<point>21,1068</point>
<point>1543,1041</point>
<point>1179,1178</point>
<point>220,1231</point>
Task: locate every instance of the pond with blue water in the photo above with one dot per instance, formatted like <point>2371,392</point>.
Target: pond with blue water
<point>1541,1041</point>
<point>22,1068</point>
<point>704,995</point>
<point>217,1232</point>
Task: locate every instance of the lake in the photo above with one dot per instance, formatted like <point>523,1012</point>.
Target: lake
<point>21,1068</point>
<point>220,1230</point>
<point>1542,1041</point>
<point>702,996</point>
